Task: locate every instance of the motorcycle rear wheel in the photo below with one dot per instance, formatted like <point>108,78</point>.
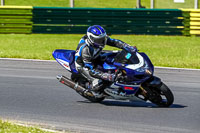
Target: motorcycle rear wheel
<point>95,100</point>
<point>80,80</point>
<point>92,98</point>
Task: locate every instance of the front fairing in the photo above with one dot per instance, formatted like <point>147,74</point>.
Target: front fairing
<point>140,73</point>
<point>134,73</point>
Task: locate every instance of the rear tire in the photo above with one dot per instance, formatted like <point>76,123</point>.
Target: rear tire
<point>92,98</point>
<point>81,81</point>
<point>95,100</point>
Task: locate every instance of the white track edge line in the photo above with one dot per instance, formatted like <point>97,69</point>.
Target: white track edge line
<point>19,59</point>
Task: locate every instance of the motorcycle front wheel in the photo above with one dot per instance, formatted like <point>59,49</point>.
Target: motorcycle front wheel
<point>162,96</point>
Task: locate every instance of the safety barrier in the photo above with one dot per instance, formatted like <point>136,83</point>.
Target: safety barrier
<point>60,20</point>
<point>116,21</point>
<point>15,19</point>
<point>191,21</point>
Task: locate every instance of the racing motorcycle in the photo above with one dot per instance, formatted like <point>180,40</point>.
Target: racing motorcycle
<point>135,79</point>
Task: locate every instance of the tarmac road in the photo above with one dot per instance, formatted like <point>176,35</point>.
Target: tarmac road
<point>29,92</point>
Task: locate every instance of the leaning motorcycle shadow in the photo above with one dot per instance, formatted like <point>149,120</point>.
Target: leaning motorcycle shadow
<point>132,104</point>
<point>137,104</point>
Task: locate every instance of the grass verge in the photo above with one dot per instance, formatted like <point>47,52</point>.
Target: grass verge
<point>79,3</point>
<point>168,51</point>
<point>7,127</point>
<point>103,3</point>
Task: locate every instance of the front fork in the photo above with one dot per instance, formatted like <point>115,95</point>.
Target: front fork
<point>152,82</point>
<point>144,92</point>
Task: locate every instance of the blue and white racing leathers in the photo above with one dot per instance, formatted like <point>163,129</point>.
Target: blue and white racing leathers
<point>86,58</point>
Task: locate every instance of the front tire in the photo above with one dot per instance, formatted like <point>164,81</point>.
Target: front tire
<point>162,96</point>
<point>166,92</point>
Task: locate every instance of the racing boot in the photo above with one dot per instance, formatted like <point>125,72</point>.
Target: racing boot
<point>94,87</point>
<point>94,84</point>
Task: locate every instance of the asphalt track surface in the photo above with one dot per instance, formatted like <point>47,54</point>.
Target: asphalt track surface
<point>30,92</point>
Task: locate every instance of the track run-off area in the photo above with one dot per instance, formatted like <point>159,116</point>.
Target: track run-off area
<point>30,92</point>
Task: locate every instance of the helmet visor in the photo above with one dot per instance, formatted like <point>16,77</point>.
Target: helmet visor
<point>99,42</point>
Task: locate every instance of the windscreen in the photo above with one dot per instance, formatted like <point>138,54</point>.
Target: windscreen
<point>125,57</point>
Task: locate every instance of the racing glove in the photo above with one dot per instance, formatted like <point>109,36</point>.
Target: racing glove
<point>129,48</point>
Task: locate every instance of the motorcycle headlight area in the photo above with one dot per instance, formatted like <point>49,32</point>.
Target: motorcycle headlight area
<point>141,67</point>
<point>144,69</point>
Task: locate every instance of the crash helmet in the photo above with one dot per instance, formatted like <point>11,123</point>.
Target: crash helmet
<point>97,36</point>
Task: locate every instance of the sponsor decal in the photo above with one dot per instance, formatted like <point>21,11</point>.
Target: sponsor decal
<point>64,64</point>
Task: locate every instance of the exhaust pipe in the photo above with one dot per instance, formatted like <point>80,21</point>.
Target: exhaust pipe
<point>66,81</point>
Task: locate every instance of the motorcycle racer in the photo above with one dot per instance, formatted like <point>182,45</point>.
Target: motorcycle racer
<point>88,53</point>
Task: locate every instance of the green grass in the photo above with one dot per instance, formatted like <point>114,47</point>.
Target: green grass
<point>48,3</point>
<point>110,3</point>
<point>79,3</point>
<point>102,3</point>
<point>6,127</point>
<point>169,51</point>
